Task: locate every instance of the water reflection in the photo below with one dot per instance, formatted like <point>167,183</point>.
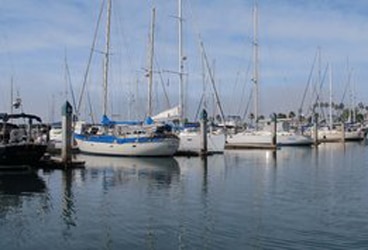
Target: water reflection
<point>261,157</point>
<point>249,199</point>
<point>21,182</point>
<point>21,192</point>
<point>118,170</point>
<point>68,206</point>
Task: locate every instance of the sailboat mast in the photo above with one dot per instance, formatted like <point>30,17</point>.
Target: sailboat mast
<point>330,104</point>
<point>212,79</point>
<point>11,95</point>
<point>107,53</point>
<point>255,59</point>
<point>181,63</point>
<point>150,68</point>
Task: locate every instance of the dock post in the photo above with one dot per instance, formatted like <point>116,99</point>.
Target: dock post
<point>315,130</point>
<point>343,132</point>
<point>204,120</point>
<point>274,131</point>
<point>66,150</point>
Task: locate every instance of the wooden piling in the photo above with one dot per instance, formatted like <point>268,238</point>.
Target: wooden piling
<point>274,131</point>
<point>203,127</point>
<point>66,150</point>
<point>343,132</point>
<point>315,130</point>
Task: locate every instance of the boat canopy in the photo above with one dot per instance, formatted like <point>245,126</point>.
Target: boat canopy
<point>6,117</point>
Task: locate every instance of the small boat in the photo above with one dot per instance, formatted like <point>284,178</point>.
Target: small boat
<point>21,141</point>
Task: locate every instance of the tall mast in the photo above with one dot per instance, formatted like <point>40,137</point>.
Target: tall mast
<point>330,104</point>
<point>255,59</point>
<point>11,95</point>
<point>150,68</point>
<point>181,63</point>
<point>107,53</point>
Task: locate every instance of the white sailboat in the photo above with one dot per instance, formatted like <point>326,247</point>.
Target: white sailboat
<point>190,141</point>
<point>289,134</point>
<point>352,133</point>
<point>261,137</point>
<point>190,136</point>
<point>337,132</point>
<point>124,138</point>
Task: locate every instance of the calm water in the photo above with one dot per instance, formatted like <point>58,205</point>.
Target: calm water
<point>301,198</point>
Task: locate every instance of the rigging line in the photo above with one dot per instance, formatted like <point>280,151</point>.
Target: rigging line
<point>236,87</point>
<point>323,79</point>
<point>317,89</point>
<point>203,99</point>
<point>162,83</point>
<point>318,92</point>
<point>210,74</point>
<point>248,104</point>
<point>92,49</point>
<point>69,80</point>
<point>128,54</point>
<point>199,107</point>
<point>346,86</point>
<point>244,86</point>
<point>308,83</point>
<point>91,114</point>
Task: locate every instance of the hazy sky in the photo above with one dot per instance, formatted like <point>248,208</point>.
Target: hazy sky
<point>39,38</point>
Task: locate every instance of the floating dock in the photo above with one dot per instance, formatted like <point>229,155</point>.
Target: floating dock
<point>252,146</point>
<point>53,162</point>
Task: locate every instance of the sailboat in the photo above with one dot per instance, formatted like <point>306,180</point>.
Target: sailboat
<point>337,132</point>
<point>123,138</point>
<point>262,135</point>
<point>190,135</point>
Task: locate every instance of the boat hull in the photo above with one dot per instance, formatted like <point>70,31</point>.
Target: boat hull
<point>336,136</point>
<point>263,139</point>
<point>294,140</point>
<point>190,142</point>
<point>254,139</point>
<point>21,154</point>
<point>165,146</point>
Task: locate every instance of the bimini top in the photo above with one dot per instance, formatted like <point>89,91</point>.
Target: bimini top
<point>5,117</point>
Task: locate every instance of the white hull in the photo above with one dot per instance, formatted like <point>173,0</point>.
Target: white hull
<point>164,147</point>
<point>291,139</point>
<point>336,135</point>
<point>264,138</point>
<point>250,139</point>
<point>190,142</point>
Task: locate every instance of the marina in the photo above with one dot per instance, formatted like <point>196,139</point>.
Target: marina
<point>183,125</point>
<point>242,199</point>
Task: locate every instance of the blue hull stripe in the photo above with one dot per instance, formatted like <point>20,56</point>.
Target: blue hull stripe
<point>114,139</point>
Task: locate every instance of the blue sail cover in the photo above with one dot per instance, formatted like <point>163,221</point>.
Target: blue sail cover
<point>149,121</point>
<point>106,122</point>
